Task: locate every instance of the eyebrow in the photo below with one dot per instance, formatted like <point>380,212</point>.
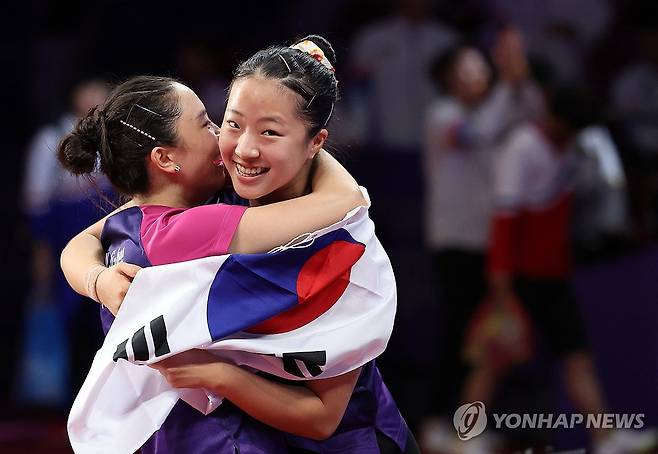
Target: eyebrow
<point>272,118</point>
<point>201,114</point>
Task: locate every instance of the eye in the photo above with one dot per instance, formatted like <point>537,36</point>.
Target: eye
<point>232,124</point>
<point>271,133</point>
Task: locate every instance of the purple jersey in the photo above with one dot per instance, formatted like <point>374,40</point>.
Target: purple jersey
<point>371,408</point>
<point>153,235</point>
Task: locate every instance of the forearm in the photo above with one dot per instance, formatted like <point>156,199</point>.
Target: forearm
<point>79,255</point>
<point>83,252</point>
<point>334,194</point>
<point>334,187</point>
<point>293,409</point>
<point>330,175</point>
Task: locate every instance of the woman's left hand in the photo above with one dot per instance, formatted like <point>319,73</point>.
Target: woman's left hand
<point>191,369</point>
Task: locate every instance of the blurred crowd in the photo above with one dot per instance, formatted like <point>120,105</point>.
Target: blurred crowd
<point>510,149</point>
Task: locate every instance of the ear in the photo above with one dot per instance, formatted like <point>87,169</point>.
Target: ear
<point>318,142</point>
<point>163,158</point>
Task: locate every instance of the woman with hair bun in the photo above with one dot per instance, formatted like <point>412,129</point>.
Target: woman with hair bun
<point>280,103</point>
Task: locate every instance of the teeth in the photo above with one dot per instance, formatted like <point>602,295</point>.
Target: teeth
<point>249,172</point>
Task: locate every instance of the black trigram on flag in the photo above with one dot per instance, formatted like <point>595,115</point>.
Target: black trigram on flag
<point>139,345</point>
<point>310,360</point>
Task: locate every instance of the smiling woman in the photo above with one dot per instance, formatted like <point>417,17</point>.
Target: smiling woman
<point>264,145</point>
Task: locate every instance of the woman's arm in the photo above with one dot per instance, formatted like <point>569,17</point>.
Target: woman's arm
<point>313,411</point>
<point>80,254</point>
<point>334,194</point>
<point>84,268</point>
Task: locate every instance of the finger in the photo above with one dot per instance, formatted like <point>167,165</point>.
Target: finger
<point>128,269</point>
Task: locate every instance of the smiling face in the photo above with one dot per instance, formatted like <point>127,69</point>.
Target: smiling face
<point>197,148</point>
<point>265,143</point>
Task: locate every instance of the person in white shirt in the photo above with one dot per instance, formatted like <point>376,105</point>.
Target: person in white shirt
<point>462,132</point>
<point>393,56</point>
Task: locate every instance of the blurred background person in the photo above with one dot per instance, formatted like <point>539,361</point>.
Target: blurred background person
<point>57,205</point>
<point>390,58</point>
<point>387,92</point>
<point>561,32</point>
<point>529,267</point>
<point>463,130</point>
<point>600,224</point>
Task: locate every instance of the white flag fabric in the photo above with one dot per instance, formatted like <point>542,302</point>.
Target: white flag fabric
<point>316,308</point>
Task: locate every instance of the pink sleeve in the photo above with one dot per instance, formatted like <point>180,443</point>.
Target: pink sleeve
<point>171,235</point>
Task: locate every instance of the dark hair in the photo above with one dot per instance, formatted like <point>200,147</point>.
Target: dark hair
<point>300,72</point>
<point>575,106</point>
<point>442,65</point>
<point>116,136</point>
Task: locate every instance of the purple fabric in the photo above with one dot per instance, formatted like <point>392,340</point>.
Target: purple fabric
<point>619,303</point>
<point>371,408</point>
<point>222,432</point>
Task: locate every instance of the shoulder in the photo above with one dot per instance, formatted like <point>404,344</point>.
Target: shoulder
<point>125,221</point>
<point>123,213</point>
<point>161,217</point>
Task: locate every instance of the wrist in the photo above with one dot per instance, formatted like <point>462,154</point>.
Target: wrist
<point>92,279</point>
<point>222,377</point>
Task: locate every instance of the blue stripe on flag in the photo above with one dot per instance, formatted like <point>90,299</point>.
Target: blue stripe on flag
<point>251,288</point>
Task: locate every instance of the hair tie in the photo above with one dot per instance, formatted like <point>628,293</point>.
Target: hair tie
<point>314,51</point>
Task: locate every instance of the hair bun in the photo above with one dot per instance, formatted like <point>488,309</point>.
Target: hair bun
<point>324,45</point>
<point>78,150</point>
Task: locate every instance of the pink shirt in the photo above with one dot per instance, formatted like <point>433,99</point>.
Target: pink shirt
<point>171,235</point>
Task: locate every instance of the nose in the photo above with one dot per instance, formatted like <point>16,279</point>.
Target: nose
<point>246,148</point>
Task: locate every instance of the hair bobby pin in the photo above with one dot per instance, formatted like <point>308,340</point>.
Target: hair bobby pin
<point>148,110</point>
<point>314,51</point>
<point>285,62</point>
<point>331,111</point>
<point>137,129</point>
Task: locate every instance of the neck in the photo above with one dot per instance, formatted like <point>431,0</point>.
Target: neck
<point>170,196</point>
<point>298,187</point>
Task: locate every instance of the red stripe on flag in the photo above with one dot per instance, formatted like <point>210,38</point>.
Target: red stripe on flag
<point>320,283</point>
